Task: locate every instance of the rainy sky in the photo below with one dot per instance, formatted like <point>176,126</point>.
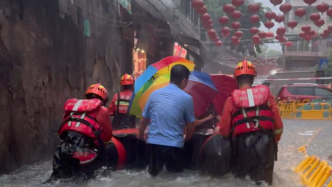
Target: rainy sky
<point>276,25</point>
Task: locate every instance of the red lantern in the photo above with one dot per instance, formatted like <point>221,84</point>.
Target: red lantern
<point>306,28</point>
<point>208,26</point>
<point>329,28</point>
<point>291,24</point>
<point>302,34</point>
<point>208,22</point>
<point>285,8</point>
<point>311,32</point>
<point>236,15</point>
<point>281,31</point>
<point>329,12</point>
<point>269,24</point>
<point>253,8</point>
<point>309,2</point>
<point>288,43</point>
<point>197,4</point>
<point>327,32</point>
<point>238,34</point>
<point>202,10</point>
<point>323,35</point>
<point>279,18</point>
<point>211,33</point>
<point>262,34</point>
<point>276,2</point>
<point>314,17</point>
<point>205,17</point>
<point>218,43</point>
<point>228,8</point>
<point>234,38</point>
<point>300,12</point>
<point>278,37</point>
<point>225,30</point>
<point>225,34</point>
<point>236,42</point>
<point>270,15</point>
<point>237,3</point>
<point>322,7</point>
<point>236,25</point>
<point>223,20</point>
<point>269,34</point>
<point>253,30</point>
<point>319,23</point>
<point>282,39</point>
<point>254,19</point>
<point>256,39</point>
<point>307,37</point>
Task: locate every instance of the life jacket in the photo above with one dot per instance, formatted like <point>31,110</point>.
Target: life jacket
<point>253,112</point>
<point>82,117</point>
<point>122,102</point>
<point>122,119</point>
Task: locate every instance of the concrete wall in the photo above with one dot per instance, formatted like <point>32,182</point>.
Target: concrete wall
<point>46,59</point>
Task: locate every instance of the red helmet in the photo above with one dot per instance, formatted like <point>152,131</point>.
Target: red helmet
<point>245,68</point>
<point>127,80</point>
<point>97,89</point>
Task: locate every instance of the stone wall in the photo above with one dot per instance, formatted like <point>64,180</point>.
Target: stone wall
<point>46,57</point>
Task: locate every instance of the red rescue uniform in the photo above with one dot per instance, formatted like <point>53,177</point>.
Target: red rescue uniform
<point>119,109</point>
<point>120,106</point>
<point>88,117</point>
<point>251,109</point>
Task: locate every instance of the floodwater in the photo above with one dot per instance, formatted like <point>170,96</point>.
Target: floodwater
<point>296,134</point>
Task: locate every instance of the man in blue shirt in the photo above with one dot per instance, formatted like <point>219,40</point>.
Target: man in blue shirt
<point>171,113</point>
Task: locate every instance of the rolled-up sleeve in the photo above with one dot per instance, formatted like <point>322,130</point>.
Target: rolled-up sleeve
<point>147,107</point>
<point>278,124</point>
<point>190,113</point>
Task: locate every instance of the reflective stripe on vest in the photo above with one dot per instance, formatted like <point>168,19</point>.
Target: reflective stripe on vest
<point>77,105</point>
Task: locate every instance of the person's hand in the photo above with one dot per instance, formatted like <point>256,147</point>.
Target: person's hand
<point>210,117</point>
<point>217,129</point>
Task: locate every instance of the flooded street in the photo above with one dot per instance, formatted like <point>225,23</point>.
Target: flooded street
<point>296,134</point>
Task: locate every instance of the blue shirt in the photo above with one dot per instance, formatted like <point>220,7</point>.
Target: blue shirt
<point>169,109</point>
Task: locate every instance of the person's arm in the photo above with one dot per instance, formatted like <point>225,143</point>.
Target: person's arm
<point>141,127</point>
<point>278,124</point>
<point>105,121</point>
<point>225,124</point>
<point>199,122</point>
<point>145,118</point>
<point>111,106</point>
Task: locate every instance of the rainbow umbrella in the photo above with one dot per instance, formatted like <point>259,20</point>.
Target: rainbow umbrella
<point>155,76</point>
<point>164,66</point>
<point>200,87</point>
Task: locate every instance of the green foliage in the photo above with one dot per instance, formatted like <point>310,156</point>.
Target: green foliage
<point>215,9</point>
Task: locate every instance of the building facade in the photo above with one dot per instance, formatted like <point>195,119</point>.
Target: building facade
<point>303,55</point>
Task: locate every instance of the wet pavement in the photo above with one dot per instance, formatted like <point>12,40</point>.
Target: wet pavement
<point>316,134</point>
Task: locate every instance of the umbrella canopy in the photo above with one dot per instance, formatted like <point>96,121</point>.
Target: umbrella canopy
<point>202,90</point>
<point>156,76</point>
<point>225,85</point>
<point>164,66</point>
<point>200,87</point>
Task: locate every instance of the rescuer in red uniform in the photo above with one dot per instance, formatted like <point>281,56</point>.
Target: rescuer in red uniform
<point>120,105</point>
<point>252,119</point>
<point>85,130</point>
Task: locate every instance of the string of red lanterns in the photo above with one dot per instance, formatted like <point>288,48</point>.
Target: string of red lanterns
<point>230,10</point>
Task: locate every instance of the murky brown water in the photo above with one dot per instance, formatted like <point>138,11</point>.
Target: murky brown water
<point>296,134</point>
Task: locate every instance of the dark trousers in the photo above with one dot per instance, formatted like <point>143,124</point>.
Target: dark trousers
<point>254,156</point>
<point>160,155</point>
